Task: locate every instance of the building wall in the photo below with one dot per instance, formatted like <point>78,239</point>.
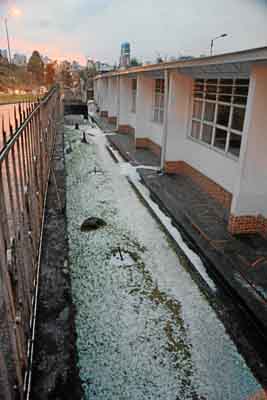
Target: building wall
<point>216,166</point>
<point>101,94</point>
<point>112,105</point>
<point>145,127</point>
<point>125,117</point>
<point>124,101</point>
<point>250,197</point>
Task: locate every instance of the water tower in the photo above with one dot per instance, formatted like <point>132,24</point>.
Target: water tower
<point>125,55</point>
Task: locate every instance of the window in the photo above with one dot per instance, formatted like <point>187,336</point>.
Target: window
<point>134,93</point>
<point>219,109</point>
<point>158,108</point>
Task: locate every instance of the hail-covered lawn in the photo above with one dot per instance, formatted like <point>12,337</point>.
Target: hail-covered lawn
<point>144,329</point>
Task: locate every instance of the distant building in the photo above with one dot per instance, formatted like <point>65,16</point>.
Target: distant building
<point>102,67</point>
<point>125,55</point>
<point>90,63</point>
<point>75,66</point>
<point>19,59</point>
<point>46,60</point>
<point>3,53</point>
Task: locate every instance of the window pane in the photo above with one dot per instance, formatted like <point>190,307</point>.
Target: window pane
<point>195,130</point>
<point>210,95</point>
<point>207,133</point>
<point>209,112</point>
<point>157,100</point>
<point>235,144</point>
<point>226,89</point>
<point>242,82</point>
<point>160,85</point>
<point>243,90</point>
<point>212,81</point>
<point>225,99</point>
<point>223,115</point>
<point>240,100</point>
<point>238,118</point>
<point>226,82</point>
<point>220,138</point>
<point>197,111</point>
<point>134,84</point>
<point>161,116</point>
<point>199,95</point>
<point>211,89</point>
<point>199,88</point>
<point>156,115</point>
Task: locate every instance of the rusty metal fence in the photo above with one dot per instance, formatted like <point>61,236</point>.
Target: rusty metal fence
<point>25,158</point>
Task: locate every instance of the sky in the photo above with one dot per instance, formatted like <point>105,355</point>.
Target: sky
<point>77,29</point>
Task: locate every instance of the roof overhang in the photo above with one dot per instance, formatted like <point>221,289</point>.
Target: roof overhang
<point>228,65</point>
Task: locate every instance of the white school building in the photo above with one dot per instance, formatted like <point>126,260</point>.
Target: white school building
<point>205,117</point>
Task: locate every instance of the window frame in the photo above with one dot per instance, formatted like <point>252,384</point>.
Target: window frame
<point>205,82</point>
<point>133,95</point>
<point>158,108</point>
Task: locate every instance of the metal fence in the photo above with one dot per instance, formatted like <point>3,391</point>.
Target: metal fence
<point>25,158</point>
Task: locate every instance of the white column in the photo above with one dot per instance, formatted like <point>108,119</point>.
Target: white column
<point>118,100</point>
<point>250,195</point>
<point>166,116</point>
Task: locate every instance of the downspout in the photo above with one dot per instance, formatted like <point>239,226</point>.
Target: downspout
<point>165,119</point>
<point>118,102</point>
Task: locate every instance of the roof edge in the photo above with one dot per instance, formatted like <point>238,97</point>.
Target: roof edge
<point>249,55</point>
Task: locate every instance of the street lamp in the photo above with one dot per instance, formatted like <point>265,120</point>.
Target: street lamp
<point>13,12</point>
<point>8,40</point>
<point>212,41</point>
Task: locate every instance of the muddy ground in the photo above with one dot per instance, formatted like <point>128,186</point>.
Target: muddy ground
<point>55,373</point>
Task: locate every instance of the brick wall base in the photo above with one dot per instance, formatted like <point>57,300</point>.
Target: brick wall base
<point>146,143</point>
<point>248,224</point>
<point>112,120</point>
<point>206,184</point>
<point>104,114</point>
<point>127,130</point>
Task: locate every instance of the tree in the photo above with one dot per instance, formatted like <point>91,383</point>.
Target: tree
<point>66,76</point>
<point>36,67</point>
<point>50,74</point>
<point>134,62</point>
<point>159,60</point>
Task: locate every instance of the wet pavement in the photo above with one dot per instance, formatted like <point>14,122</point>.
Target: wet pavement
<point>145,330</point>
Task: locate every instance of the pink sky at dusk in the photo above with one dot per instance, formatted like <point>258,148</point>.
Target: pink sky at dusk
<point>76,29</point>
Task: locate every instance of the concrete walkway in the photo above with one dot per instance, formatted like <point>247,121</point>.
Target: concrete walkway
<point>238,262</point>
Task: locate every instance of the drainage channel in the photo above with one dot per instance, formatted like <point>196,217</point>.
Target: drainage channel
<point>144,328</point>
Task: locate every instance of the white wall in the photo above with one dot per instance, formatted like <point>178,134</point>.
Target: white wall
<point>250,197</point>
<point>126,117</point>
<point>102,94</point>
<point>209,162</point>
<point>145,127</point>
<point>112,102</point>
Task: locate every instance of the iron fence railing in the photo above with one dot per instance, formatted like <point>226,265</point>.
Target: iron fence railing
<point>26,148</point>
